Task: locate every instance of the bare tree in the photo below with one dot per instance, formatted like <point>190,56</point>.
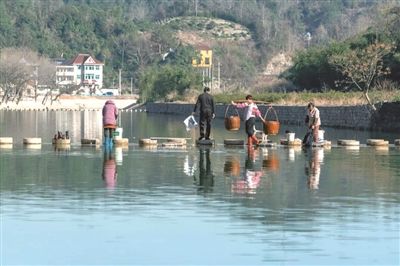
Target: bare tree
<point>361,67</point>
<point>15,74</point>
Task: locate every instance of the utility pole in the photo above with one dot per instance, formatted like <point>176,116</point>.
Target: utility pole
<point>131,85</point>
<point>119,82</point>
<point>219,75</point>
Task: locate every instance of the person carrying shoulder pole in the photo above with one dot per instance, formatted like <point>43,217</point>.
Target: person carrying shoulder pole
<point>206,106</point>
<point>251,113</point>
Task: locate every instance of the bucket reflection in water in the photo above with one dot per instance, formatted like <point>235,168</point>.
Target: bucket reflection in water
<point>118,155</point>
<point>232,166</point>
<point>271,162</point>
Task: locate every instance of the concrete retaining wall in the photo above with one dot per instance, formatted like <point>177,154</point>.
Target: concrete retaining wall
<point>353,117</point>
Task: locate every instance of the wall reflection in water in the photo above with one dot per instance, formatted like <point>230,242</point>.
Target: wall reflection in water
<point>313,167</point>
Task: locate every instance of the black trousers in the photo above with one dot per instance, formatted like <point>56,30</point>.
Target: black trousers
<point>250,126</point>
<point>205,124</point>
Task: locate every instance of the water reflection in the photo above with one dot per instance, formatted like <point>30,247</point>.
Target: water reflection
<point>292,151</point>
<point>232,165</point>
<point>271,161</point>
<point>109,174</point>
<point>206,176</point>
<point>313,167</point>
<point>189,165</point>
<point>251,179</point>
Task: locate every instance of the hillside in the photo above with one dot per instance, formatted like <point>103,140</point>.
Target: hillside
<point>248,38</point>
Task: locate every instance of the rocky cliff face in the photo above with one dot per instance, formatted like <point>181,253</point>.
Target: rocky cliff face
<point>278,64</point>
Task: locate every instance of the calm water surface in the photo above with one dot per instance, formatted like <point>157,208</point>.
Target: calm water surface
<point>192,206</point>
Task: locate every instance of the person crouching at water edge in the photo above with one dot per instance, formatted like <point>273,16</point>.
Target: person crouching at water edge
<point>251,113</point>
<point>110,115</point>
<point>313,120</point>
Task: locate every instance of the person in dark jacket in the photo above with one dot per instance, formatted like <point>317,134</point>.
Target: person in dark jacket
<point>206,106</point>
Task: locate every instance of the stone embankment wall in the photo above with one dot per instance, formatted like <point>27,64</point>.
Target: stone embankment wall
<point>353,117</point>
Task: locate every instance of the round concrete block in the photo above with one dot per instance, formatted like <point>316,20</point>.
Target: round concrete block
<point>147,142</point>
<point>377,142</point>
<point>32,140</point>
<point>121,142</point>
<point>6,140</point>
<point>348,142</point>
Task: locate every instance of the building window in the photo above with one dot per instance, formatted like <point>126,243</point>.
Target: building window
<point>78,76</point>
<point>79,67</point>
<point>97,76</point>
<point>207,60</point>
<point>97,67</point>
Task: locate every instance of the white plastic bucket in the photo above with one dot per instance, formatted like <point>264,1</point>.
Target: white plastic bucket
<point>321,135</point>
<point>290,136</point>
<point>118,133</point>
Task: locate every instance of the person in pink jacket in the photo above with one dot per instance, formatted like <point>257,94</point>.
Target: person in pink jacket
<point>251,113</point>
<point>110,115</point>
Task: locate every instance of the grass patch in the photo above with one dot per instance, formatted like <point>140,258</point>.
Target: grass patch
<point>328,98</point>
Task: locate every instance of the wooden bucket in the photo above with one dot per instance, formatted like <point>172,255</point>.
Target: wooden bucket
<point>271,127</point>
<point>232,122</point>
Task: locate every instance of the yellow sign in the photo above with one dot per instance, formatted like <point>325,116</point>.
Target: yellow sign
<point>205,59</point>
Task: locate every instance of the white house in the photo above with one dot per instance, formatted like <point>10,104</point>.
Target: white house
<point>83,70</point>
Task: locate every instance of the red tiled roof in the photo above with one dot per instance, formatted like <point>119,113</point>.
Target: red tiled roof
<point>84,59</point>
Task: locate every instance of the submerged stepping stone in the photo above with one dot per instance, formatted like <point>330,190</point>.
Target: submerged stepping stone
<point>325,143</point>
<point>171,144</point>
<point>6,140</point>
<point>62,142</point>
<point>90,142</point>
<point>234,142</point>
<point>179,141</point>
<point>121,142</point>
<point>296,142</point>
<point>377,142</point>
<point>348,142</point>
<point>208,142</point>
<point>147,142</point>
<point>32,140</point>
<point>397,142</point>
<point>266,144</point>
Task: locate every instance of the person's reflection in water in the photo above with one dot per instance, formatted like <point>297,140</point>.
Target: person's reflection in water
<point>251,179</point>
<point>109,174</point>
<point>206,177</point>
<point>313,169</point>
